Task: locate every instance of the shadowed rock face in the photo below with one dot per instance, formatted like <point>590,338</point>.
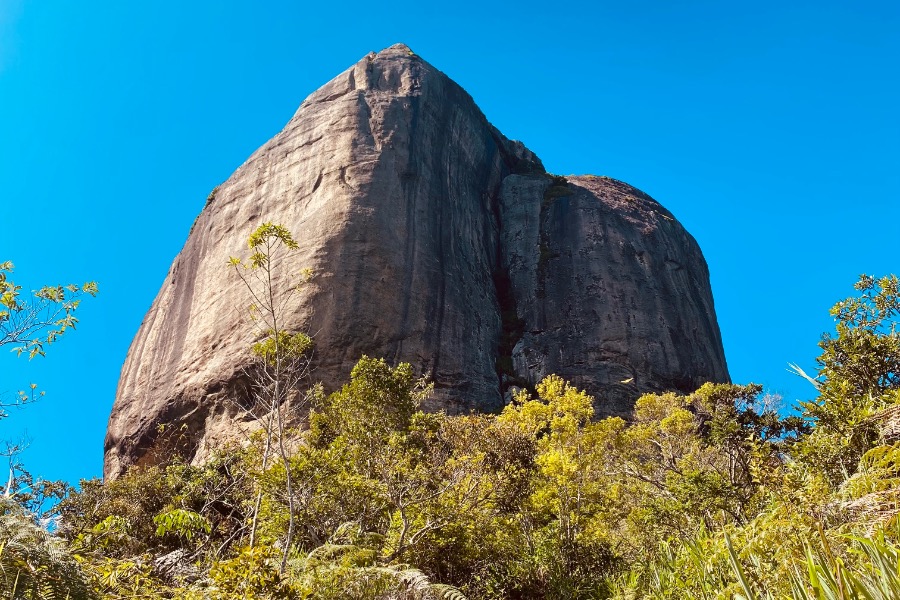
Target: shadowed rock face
<point>435,241</point>
<point>609,288</point>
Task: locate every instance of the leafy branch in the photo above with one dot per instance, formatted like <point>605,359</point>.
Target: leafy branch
<point>29,323</point>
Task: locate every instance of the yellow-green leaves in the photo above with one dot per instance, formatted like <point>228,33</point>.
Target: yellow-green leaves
<point>253,574</point>
<point>268,234</point>
<point>264,242</point>
<point>287,346</point>
<point>30,323</point>
<point>559,407</point>
<point>283,357</point>
<point>33,563</point>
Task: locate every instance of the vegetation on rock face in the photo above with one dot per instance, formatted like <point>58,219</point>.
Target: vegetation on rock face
<point>558,188</point>
<point>714,494</point>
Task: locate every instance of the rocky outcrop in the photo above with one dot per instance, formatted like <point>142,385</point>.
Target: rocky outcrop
<point>609,291</point>
<point>434,240</point>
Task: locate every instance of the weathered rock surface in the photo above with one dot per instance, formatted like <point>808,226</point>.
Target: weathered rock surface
<point>611,292</point>
<point>435,241</point>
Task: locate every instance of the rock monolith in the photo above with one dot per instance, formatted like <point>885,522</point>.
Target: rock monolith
<point>433,240</point>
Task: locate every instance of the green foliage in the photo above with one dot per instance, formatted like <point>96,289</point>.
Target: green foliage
<point>38,497</point>
<point>122,508</point>
<point>118,579</point>
<point>874,576</point>
<point>264,242</point>
<point>159,509</point>
<point>712,495</point>
<point>282,361</point>
<point>341,568</point>
<point>253,574</point>
<point>378,401</point>
<point>866,351</point>
<point>211,197</point>
<point>871,571</point>
<point>539,501</point>
<point>288,346</point>
<point>209,200</point>
<point>34,564</point>
<point>31,323</point>
<point>792,540</point>
<point>559,187</point>
<point>390,457</point>
<point>181,522</point>
<point>859,369</point>
<point>565,517</point>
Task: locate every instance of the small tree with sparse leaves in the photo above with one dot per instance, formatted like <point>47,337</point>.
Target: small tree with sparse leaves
<point>282,357</point>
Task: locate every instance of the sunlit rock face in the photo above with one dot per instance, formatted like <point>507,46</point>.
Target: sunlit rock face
<point>434,240</point>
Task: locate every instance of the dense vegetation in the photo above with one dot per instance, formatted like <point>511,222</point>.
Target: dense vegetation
<point>714,494</point>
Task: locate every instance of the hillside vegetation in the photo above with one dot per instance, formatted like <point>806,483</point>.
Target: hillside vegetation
<point>715,494</point>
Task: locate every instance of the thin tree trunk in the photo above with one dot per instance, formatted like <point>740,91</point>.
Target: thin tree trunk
<point>259,495</point>
<point>277,407</point>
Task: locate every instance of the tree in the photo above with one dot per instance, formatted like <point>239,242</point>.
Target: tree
<point>866,351</point>
<point>31,323</point>
<point>33,563</point>
<point>700,456</point>
<point>282,357</point>
<point>565,521</point>
<point>409,463</point>
<point>859,373</point>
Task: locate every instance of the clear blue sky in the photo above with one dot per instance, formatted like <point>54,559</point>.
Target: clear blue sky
<point>770,129</point>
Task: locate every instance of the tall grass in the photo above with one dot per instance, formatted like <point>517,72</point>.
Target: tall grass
<point>708,567</point>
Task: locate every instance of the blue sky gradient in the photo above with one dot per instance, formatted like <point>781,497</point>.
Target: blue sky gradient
<point>769,129</point>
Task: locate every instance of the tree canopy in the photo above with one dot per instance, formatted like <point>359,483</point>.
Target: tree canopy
<point>719,493</point>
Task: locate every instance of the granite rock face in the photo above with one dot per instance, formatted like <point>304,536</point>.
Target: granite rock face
<point>610,291</point>
<point>434,240</point>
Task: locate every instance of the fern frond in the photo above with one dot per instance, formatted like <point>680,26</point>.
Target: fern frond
<point>34,563</point>
<point>447,592</point>
<point>418,585</point>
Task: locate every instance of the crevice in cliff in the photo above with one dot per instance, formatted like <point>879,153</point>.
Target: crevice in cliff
<point>512,328</point>
<point>558,188</point>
